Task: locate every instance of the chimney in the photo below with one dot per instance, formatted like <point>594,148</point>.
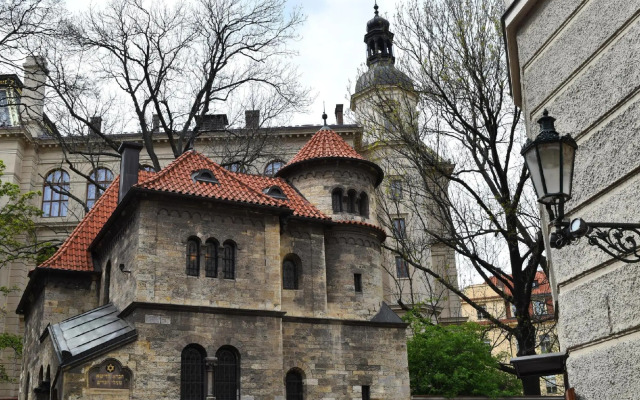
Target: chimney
<point>129,161</point>
<point>35,76</point>
<point>252,119</point>
<point>339,120</point>
<point>96,125</point>
<point>212,122</point>
<point>155,123</point>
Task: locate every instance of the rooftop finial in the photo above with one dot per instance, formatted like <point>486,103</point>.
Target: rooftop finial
<point>324,114</point>
<point>375,7</point>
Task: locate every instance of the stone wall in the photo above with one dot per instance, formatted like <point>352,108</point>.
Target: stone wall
<point>579,60</point>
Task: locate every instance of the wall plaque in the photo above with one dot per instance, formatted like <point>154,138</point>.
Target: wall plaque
<point>110,374</point>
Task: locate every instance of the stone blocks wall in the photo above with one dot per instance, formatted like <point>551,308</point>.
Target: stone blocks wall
<point>337,359</point>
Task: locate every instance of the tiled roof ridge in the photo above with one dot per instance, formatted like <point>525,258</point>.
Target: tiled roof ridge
<point>326,143</point>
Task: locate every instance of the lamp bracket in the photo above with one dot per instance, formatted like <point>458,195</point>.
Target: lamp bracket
<point>619,240</point>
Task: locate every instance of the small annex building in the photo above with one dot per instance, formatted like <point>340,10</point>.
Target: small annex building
<point>196,282</point>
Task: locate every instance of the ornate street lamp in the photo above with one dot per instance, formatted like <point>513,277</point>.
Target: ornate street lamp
<point>550,159</point>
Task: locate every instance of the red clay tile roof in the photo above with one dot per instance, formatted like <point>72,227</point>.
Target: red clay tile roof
<point>295,201</point>
<point>325,143</point>
<point>360,223</point>
<point>73,254</point>
<point>176,178</point>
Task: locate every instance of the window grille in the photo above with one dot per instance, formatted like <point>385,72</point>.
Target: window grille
<point>211,259</point>
<point>336,200</point>
<point>55,199</point>
<point>229,261</point>
<point>192,374</point>
<point>294,386</point>
<point>227,378</point>
<point>193,257</point>
<point>289,275</point>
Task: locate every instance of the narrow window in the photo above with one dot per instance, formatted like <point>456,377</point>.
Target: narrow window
<point>357,282</point>
<point>364,205</point>
<point>211,259</point>
<point>351,201</point>
<point>227,374</point>
<point>193,257</point>
<point>539,307</point>
<point>294,386</point>
<point>551,384</point>
<point>192,373</point>
<point>402,270</point>
<point>289,275</point>
<point>103,178</point>
<point>336,200</point>
<point>395,189</point>
<point>366,392</point>
<point>229,260</point>
<point>399,228</point>
<point>545,344</point>
<point>55,199</point>
<point>481,314</point>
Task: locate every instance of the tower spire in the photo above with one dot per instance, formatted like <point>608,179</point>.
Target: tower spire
<point>379,40</point>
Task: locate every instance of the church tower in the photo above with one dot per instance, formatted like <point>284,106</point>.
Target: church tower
<point>384,103</point>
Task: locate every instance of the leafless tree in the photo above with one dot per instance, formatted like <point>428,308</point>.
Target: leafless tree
<point>458,136</point>
<point>163,70</point>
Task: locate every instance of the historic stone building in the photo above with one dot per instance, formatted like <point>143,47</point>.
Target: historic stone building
<point>579,60</point>
<point>266,238</point>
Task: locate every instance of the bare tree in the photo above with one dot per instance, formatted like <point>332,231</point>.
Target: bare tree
<point>168,70</point>
<point>458,135</point>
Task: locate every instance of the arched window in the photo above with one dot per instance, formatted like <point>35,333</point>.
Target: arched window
<point>148,168</point>
<point>55,200</point>
<point>47,377</point>
<point>103,178</point>
<point>336,200</point>
<point>351,201</point>
<point>290,274</point>
<point>229,260</point>
<point>294,385</point>
<point>363,205</point>
<point>192,373</point>
<point>227,374</point>
<point>273,167</point>
<point>41,375</point>
<point>193,257</point>
<point>211,258</point>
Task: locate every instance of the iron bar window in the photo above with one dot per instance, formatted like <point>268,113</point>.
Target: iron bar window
<point>289,275</point>
<point>294,386</point>
<point>227,376</point>
<point>229,261</point>
<point>192,373</point>
<point>211,259</point>
<point>193,257</point>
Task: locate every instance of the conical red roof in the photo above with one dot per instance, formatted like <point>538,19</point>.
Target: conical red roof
<point>326,143</point>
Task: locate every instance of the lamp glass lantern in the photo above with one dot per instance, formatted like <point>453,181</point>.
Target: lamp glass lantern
<point>550,160</point>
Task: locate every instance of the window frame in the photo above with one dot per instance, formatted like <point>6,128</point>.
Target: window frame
<point>62,200</point>
<point>337,204</point>
<point>357,282</point>
<point>399,228</point>
<point>401,264</point>
<point>363,205</point>
<point>211,260</point>
<point>482,315</point>
<point>198,382</point>
<point>291,275</point>
<point>352,196</point>
<point>269,166</point>
<point>97,191</point>
<point>220,374</point>
<point>298,394</point>
<point>395,189</point>
<point>229,259</point>
<point>192,267</point>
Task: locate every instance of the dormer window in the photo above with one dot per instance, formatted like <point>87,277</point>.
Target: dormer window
<point>275,192</point>
<point>204,175</point>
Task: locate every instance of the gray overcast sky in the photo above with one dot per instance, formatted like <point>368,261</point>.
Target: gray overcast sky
<point>330,51</point>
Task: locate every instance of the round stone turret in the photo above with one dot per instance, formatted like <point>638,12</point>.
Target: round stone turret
<point>334,177</point>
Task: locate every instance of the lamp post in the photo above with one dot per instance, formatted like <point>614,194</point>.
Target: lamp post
<point>550,160</point>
